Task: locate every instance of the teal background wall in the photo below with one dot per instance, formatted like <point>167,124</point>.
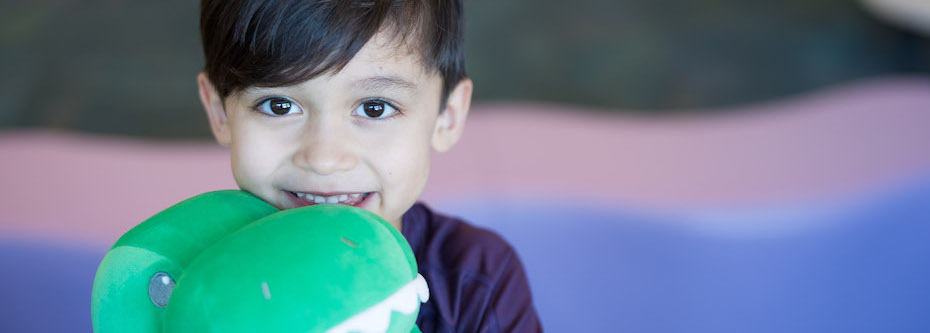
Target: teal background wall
<point>128,67</point>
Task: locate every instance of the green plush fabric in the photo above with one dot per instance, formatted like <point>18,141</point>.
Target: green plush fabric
<point>166,242</point>
<point>240,265</point>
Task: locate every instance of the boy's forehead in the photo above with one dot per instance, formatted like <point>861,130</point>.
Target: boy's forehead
<point>383,63</point>
<point>390,56</point>
<point>374,82</point>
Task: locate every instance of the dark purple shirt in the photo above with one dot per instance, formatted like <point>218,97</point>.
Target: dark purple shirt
<point>476,281</point>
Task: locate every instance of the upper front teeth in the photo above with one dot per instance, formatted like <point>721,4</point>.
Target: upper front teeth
<point>318,199</point>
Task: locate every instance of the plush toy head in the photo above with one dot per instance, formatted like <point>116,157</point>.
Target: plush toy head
<point>228,262</point>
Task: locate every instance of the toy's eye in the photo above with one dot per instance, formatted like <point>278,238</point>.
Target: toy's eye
<point>278,106</point>
<point>160,288</point>
<point>375,109</point>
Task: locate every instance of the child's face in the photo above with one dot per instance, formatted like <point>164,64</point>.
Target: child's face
<point>362,136</point>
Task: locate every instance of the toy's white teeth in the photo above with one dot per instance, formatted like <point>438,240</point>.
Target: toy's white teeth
<point>345,199</point>
<point>377,318</point>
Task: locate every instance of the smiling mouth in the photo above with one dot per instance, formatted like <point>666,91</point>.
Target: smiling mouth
<point>350,199</point>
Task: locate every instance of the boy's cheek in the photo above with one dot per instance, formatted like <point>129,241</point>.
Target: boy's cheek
<point>249,173</point>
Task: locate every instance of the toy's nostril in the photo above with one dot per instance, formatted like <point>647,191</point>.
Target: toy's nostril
<point>160,288</point>
<point>349,242</point>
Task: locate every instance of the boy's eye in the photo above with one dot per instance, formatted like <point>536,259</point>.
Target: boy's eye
<point>278,106</point>
<point>375,110</point>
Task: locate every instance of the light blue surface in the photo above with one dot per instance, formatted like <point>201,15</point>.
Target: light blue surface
<point>45,287</point>
<point>858,266</point>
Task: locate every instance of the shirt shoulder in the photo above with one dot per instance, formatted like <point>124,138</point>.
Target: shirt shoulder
<point>450,244</point>
<point>476,279</point>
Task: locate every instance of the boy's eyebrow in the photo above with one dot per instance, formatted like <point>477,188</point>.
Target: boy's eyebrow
<point>382,82</point>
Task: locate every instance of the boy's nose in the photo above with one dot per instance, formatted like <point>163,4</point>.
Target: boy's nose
<point>324,153</point>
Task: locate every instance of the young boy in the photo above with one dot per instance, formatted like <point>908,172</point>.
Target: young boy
<point>342,102</point>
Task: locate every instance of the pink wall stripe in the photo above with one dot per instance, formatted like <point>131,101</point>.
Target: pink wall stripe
<point>852,138</point>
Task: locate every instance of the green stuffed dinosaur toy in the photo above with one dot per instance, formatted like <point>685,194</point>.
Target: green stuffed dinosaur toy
<point>226,261</point>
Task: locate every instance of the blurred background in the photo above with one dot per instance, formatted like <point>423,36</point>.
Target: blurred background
<point>703,166</point>
<point>128,67</point>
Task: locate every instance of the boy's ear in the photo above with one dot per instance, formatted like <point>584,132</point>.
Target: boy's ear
<point>216,111</point>
<point>451,121</point>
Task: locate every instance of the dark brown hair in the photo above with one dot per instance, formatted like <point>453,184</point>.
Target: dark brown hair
<point>273,43</point>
